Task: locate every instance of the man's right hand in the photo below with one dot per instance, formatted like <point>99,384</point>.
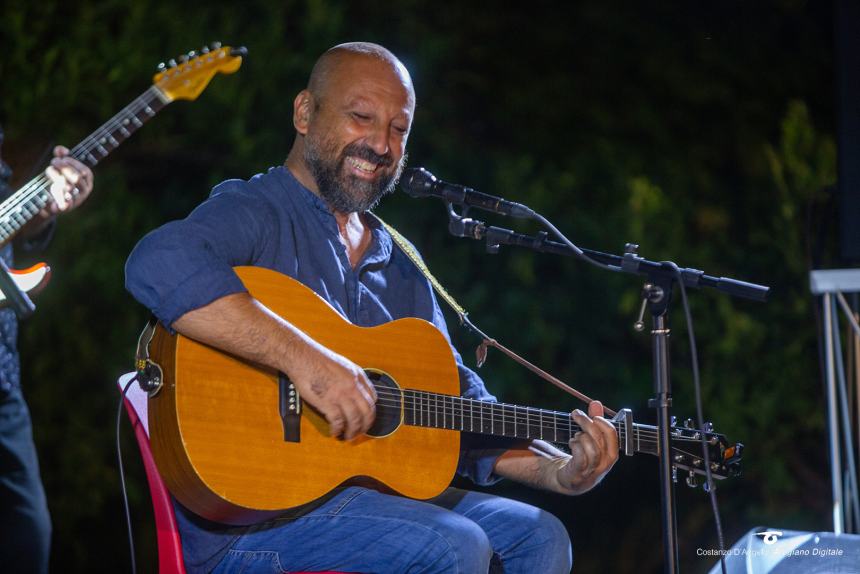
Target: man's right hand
<point>339,389</point>
<point>329,382</point>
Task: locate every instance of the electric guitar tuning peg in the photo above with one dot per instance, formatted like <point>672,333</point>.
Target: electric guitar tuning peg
<point>183,59</point>
<point>171,62</point>
<point>161,66</point>
<point>215,45</point>
<point>192,54</point>
<point>204,50</point>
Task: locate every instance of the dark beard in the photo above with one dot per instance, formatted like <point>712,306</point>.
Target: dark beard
<point>342,191</point>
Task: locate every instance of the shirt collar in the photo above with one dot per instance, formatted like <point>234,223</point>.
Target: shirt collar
<point>379,251</point>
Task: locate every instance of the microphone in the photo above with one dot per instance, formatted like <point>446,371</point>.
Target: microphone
<point>418,182</point>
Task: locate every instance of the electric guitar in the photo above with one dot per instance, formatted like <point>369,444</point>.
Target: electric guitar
<point>183,81</point>
<point>235,444</point>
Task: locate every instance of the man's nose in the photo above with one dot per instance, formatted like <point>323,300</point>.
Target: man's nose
<point>377,139</point>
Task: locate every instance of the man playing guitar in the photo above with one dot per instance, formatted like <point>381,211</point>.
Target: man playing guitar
<point>310,219</point>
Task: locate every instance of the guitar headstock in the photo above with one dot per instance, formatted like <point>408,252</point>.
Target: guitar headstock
<point>186,78</point>
<point>687,452</point>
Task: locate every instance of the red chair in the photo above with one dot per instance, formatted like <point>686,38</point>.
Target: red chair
<point>169,543</point>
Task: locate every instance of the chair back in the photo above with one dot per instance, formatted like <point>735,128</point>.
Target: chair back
<point>169,543</point>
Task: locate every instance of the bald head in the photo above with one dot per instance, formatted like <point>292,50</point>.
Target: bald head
<point>342,58</point>
<point>352,123</point>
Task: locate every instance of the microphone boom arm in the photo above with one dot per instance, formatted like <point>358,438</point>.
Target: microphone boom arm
<point>462,226</point>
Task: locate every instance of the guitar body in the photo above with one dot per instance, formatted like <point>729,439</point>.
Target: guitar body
<point>217,433</point>
<point>30,280</point>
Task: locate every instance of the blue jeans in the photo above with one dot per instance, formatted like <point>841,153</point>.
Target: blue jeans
<point>361,530</point>
<point>25,526</point>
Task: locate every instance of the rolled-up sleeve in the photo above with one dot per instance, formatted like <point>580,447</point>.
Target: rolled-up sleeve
<point>187,264</point>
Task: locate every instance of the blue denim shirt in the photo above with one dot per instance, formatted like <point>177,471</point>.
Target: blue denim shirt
<point>273,221</point>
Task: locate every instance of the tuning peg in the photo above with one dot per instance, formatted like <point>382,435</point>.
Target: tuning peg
<point>691,481</point>
<point>192,54</point>
<point>215,45</point>
<point>709,427</point>
<point>673,421</point>
<point>183,59</point>
<point>161,66</point>
<point>204,50</point>
<point>171,62</point>
<point>689,423</point>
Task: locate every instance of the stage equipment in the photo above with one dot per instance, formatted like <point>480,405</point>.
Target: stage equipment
<point>776,551</point>
<point>830,284</point>
<point>656,296</point>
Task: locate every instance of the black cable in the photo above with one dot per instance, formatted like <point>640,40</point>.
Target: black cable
<point>122,472</point>
<point>709,479</point>
<point>711,486</point>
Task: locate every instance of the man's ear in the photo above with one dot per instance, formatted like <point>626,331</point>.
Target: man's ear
<point>302,108</point>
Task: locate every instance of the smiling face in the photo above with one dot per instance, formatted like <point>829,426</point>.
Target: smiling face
<point>355,119</point>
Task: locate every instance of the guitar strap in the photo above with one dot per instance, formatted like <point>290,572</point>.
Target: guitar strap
<point>463,316</point>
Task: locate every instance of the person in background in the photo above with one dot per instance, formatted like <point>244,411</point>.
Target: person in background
<point>25,524</point>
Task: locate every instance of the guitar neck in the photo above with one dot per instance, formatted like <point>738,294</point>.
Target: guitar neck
<point>29,200</point>
<point>433,410</point>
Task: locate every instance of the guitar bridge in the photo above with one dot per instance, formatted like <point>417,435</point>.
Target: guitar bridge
<point>290,408</point>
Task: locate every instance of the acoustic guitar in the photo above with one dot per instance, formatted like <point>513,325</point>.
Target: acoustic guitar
<point>236,445</point>
<point>185,80</point>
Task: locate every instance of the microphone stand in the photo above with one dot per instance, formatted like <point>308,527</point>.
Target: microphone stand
<point>656,295</point>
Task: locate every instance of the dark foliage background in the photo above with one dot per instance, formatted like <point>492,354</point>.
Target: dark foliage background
<point>702,131</point>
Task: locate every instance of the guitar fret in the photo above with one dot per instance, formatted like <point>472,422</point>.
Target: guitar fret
<point>462,414</point>
<point>492,420</point>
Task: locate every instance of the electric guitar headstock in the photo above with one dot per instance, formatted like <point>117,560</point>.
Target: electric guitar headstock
<point>185,77</point>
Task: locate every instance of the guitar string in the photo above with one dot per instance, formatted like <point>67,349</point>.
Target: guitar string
<point>530,412</point>
<point>541,420</point>
<point>88,144</point>
<point>644,433</point>
<point>649,440</point>
<point>107,128</point>
<point>642,436</point>
<point>37,185</point>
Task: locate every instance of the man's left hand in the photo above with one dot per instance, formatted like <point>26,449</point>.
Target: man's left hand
<point>593,450</point>
<point>71,183</point>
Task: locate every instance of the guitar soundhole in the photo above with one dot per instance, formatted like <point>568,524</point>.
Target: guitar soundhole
<point>388,404</point>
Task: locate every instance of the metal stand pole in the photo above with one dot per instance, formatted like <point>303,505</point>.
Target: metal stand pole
<point>832,415</point>
<point>658,297</point>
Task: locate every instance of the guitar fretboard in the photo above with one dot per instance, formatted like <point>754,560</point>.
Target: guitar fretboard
<point>30,199</point>
<point>435,410</point>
